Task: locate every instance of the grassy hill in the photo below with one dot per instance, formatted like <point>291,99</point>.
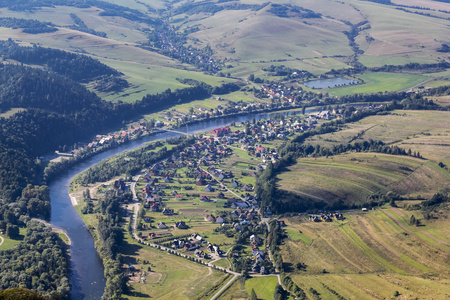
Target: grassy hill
<point>353,177</point>
<point>370,255</point>
<point>246,37</point>
<point>421,131</point>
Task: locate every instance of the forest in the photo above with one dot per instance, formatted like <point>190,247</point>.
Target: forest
<point>80,68</point>
<point>28,26</point>
<point>46,261</point>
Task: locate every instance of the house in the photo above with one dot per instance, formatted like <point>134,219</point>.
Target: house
<point>154,207</point>
<point>220,220</point>
<point>209,188</point>
<point>205,199</point>
<point>168,211</point>
<point>162,225</point>
<point>209,218</point>
<point>255,268</point>
<point>214,249</point>
<point>181,225</point>
<point>220,131</point>
<point>235,184</point>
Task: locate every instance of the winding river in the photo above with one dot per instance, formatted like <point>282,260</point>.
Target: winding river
<point>87,278</point>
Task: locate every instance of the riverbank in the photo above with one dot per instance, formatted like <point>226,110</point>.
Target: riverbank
<point>56,229</point>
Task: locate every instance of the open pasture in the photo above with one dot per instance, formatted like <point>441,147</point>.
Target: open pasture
<point>371,255</point>
<point>352,177</point>
<point>380,82</point>
<point>427,132</point>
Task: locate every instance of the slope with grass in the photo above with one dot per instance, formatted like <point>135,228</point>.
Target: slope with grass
<point>370,256</point>
<point>426,132</point>
<point>352,177</point>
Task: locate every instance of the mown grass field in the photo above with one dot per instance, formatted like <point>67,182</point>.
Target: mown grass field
<point>372,255</point>
<point>352,177</point>
<point>379,82</point>
<point>10,243</point>
<point>427,132</point>
<point>263,286</point>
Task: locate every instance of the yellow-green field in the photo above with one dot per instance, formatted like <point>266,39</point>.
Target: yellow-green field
<point>372,255</point>
<point>427,132</point>
<point>352,177</point>
<point>380,82</point>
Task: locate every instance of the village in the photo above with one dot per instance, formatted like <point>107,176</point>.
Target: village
<point>200,202</point>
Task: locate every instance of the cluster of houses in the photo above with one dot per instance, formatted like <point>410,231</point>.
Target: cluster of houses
<point>195,243</point>
<point>326,217</point>
<point>279,91</point>
<point>104,139</point>
<point>258,255</point>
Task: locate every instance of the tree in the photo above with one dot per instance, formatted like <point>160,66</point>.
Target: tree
<point>253,295</point>
<point>12,231</point>
<point>412,220</point>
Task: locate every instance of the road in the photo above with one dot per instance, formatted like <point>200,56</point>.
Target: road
<point>224,287</point>
<point>421,83</point>
<point>135,205</point>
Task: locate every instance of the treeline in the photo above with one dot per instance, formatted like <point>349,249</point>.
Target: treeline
<point>109,237</point>
<point>289,10</point>
<point>81,26</point>
<point>109,9</point>
<point>209,7</point>
<point>28,26</point>
<point>274,240</point>
<point>132,161</point>
<point>80,68</point>
<point>40,262</point>
<point>429,68</point>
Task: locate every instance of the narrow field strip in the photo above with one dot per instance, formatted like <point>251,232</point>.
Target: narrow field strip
<point>369,252</point>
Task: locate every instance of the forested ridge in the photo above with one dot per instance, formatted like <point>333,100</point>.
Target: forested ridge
<point>80,68</point>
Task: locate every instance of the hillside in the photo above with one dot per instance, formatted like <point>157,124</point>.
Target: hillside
<point>351,178</point>
<point>370,255</point>
<point>155,43</point>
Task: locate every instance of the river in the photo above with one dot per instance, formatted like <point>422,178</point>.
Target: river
<point>87,278</point>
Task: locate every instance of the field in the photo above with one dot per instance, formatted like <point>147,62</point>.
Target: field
<point>427,132</point>
<point>10,243</point>
<point>10,112</point>
<point>379,82</point>
<point>249,41</point>
<point>168,276</point>
<point>371,255</point>
<point>352,177</point>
